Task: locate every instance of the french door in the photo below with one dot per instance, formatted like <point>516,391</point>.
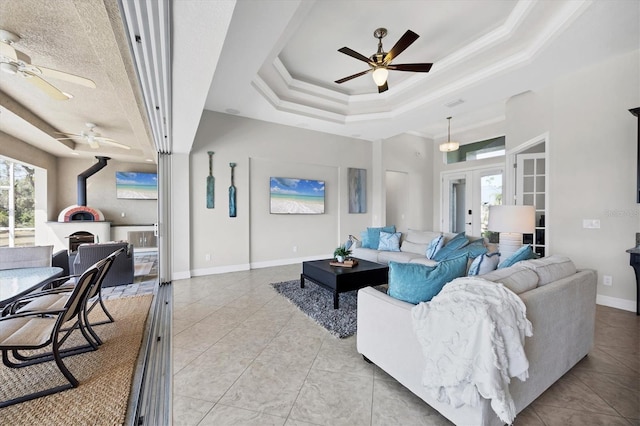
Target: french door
<point>466,197</point>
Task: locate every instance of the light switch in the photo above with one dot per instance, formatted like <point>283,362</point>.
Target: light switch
<point>591,223</point>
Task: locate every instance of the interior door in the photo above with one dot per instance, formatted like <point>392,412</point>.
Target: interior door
<point>457,214</point>
<point>466,199</point>
<point>531,191</point>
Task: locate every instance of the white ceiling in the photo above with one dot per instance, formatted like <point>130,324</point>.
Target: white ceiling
<point>276,60</point>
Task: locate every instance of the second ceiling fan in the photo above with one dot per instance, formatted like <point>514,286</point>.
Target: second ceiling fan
<point>380,62</point>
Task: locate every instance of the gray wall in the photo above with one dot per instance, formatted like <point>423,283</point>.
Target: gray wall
<point>592,166</point>
<point>101,191</point>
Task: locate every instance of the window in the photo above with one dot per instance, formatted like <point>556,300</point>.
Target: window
<point>478,150</point>
<point>17,201</point>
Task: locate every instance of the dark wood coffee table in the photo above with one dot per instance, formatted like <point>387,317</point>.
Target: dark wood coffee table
<point>340,279</point>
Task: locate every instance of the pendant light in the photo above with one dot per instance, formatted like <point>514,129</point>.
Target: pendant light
<point>449,146</point>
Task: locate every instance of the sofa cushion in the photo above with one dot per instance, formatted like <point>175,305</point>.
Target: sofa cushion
<point>411,247</point>
<point>516,278</point>
<point>455,243</point>
<point>397,256</point>
<point>484,264</point>
<point>523,253</point>
<point>371,237</point>
<point>365,254</point>
<point>550,268</point>
<point>421,237</point>
<point>415,283</point>
<point>389,241</point>
<point>434,246</point>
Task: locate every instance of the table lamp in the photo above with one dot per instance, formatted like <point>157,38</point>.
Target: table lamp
<point>511,222</point>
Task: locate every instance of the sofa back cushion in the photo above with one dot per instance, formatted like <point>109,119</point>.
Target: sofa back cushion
<point>516,278</point>
<point>415,283</point>
<point>550,268</point>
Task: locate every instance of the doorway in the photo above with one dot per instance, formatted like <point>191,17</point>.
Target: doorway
<point>466,197</point>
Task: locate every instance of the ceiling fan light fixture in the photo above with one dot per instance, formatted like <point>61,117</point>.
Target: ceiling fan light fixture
<point>449,146</point>
<point>380,75</point>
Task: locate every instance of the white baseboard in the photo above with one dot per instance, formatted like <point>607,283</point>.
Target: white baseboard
<point>220,270</point>
<point>182,275</point>
<point>615,302</point>
<point>290,261</point>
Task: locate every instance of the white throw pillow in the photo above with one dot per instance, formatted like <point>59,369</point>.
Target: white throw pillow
<point>484,264</point>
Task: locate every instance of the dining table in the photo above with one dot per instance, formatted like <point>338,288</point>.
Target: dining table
<point>17,282</point>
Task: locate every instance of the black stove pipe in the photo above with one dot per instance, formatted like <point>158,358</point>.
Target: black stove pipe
<point>82,179</point>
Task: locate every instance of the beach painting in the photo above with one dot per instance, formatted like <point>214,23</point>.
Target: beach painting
<point>137,185</point>
<point>296,196</point>
<point>357,179</point>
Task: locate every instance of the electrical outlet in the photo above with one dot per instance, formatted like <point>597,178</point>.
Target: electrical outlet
<point>295,249</point>
<point>207,257</point>
<point>607,280</point>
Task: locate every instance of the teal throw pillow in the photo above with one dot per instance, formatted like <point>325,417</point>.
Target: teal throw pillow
<point>389,241</point>
<point>473,249</point>
<point>460,240</point>
<point>434,246</point>
<point>484,264</point>
<point>523,253</point>
<point>415,283</point>
<point>371,237</point>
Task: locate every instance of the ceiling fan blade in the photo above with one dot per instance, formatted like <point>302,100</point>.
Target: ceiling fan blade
<point>342,80</point>
<point>8,51</point>
<point>61,75</point>
<point>383,88</point>
<point>113,143</point>
<point>405,41</point>
<point>354,54</point>
<point>411,67</point>
<point>46,87</point>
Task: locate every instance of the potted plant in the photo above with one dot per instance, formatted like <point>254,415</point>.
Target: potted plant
<point>341,253</point>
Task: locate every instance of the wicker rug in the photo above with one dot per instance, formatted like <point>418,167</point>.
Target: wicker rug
<point>105,375</point>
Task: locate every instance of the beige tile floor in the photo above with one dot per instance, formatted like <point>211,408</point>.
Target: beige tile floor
<point>243,355</point>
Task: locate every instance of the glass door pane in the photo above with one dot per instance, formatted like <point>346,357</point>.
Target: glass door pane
<point>490,195</point>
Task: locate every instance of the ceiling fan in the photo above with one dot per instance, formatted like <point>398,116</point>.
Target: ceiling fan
<point>91,137</point>
<point>380,62</point>
<point>14,62</point>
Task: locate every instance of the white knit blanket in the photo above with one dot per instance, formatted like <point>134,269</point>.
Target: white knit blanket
<point>472,336</point>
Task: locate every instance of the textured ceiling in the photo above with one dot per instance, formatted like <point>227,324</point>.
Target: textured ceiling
<point>85,38</point>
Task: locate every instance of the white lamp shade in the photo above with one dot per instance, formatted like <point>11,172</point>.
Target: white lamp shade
<point>380,76</point>
<point>511,218</point>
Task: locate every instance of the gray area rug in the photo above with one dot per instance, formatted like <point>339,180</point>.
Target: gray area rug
<point>317,304</point>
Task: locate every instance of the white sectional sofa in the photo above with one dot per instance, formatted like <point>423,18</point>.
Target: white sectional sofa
<point>413,247</point>
<point>560,303</point>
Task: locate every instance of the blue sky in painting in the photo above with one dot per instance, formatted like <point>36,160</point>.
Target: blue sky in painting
<point>136,178</point>
<point>308,187</point>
